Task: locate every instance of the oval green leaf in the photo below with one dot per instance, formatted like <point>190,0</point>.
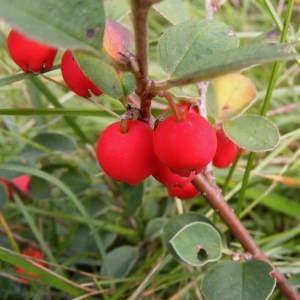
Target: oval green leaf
<point>72,24</point>
<point>101,73</point>
<point>181,46</point>
<point>119,262</point>
<point>175,11</point>
<point>239,281</point>
<point>231,60</point>
<point>252,132</point>
<point>133,197</point>
<point>177,222</point>
<point>197,244</point>
<point>154,228</point>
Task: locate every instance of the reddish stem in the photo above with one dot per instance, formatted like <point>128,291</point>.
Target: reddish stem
<point>124,126</point>
<point>217,201</point>
<point>178,115</point>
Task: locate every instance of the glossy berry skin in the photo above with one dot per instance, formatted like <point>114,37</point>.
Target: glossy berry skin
<point>127,157</point>
<point>226,150</point>
<point>186,145</point>
<point>74,77</point>
<point>166,177</point>
<point>34,254</point>
<point>184,192</point>
<point>22,183</point>
<point>177,186</point>
<point>29,55</point>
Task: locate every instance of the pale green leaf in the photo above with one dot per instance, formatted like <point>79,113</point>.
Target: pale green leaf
<point>252,132</point>
<point>175,11</point>
<point>197,244</point>
<point>183,45</point>
<point>72,24</point>
<point>101,73</point>
<point>230,280</point>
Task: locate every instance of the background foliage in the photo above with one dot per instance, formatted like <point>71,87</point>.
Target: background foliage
<point>100,235</point>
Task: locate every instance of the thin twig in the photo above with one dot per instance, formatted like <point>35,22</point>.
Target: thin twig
<point>217,201</point>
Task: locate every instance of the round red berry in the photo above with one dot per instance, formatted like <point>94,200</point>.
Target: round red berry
<point>226,150</point>
<point>183,191</point>
<point>127,157</point>
<point>29,55</point>
<point>22,182</point>
<point>185,145</point>
<point>74,77</point>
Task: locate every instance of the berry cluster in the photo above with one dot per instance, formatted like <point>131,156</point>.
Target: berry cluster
<point>173,153</point>
<point>181,146</point>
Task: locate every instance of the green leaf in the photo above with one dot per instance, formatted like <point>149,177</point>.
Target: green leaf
<point>116,9</point>
<point>47,276</point>
<point>193,239</point>
<point>232,60</point>
<point>183,45</point>
<point>154,228</point>
<point>252,132</point>
<point>128,82</point>
<point>175,11</point>
<point>72,24</point>
<point>121,261</point>
<point>3,195</point>
<point>239,281</point>
<point>133,196</point>
<point>53,141</point>
<point>179,221</point>
<point>101,73</point>
<point>197,244</point>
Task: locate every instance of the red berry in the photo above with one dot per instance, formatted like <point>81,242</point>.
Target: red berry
<point>22,182</point>
<point>74,77</point>
<point>184,191</point>
<point>35,254</point>
<point>127,157</point>
<point>186,145</point>
<point>29,55</point>
<point>226,150</point>
<point>166,177</point>
<point>178,186</point>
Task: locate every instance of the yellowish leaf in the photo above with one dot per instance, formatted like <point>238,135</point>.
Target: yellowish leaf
<point>233,92</point>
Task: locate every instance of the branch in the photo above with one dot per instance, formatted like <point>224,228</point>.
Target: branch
<point>217,201</point>
<point>140,11</point>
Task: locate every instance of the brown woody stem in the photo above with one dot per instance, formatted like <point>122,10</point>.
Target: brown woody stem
<point>140,11</point>
<point>217,201</point>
